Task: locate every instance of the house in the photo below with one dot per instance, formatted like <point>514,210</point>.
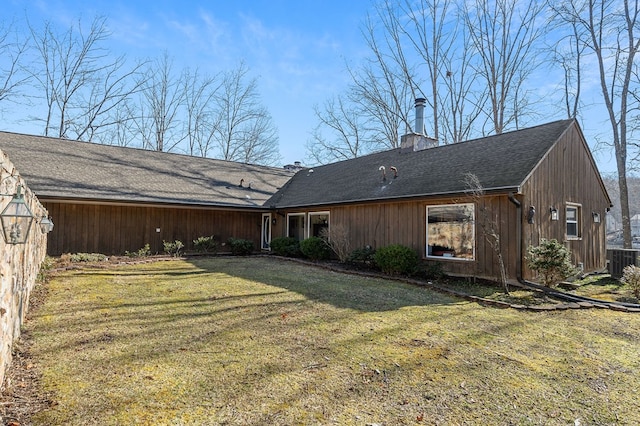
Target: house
<point>535,183</point>
<point>109,199</point>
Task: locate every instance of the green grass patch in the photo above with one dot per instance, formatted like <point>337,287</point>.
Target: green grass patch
<point>605,287</point>
<point>241,341</point>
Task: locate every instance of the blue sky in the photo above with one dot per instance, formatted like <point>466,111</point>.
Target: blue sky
<point>296,49</point>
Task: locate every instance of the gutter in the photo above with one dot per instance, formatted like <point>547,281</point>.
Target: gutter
<point>518,205</point>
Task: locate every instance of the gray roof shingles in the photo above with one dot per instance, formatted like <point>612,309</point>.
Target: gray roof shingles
<point>501,162</point>
<point>62,169</point>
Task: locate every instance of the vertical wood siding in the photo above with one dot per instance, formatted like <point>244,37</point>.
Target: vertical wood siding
<point>567,175</point>
<point>404,222</point>
<point>107,229</point>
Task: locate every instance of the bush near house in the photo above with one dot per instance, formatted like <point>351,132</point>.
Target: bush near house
<point>315,248</point>
<point>631,277</point>
<point>397,259</point>
<point>286,246</point>
<point>173,248</point>
<point>362,256</point>
<point>206,245</point>
<point>337,237</point>
<point>551,260</point>
<point>240,247</point>
<point>85,257</point>
<point>143,252</point>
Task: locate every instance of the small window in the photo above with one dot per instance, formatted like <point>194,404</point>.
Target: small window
<point>451,231</point>
<point>573,221</point>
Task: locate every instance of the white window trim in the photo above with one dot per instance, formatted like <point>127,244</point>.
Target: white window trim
<point>578,221</point>
<point>268,217</point>
<point>473,233</point>
<point>310,214</point>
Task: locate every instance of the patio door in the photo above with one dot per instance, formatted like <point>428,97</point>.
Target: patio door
<point>265,239</point>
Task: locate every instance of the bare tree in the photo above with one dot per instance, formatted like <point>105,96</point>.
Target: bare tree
<point>383,86</point>
<point>488,223</point>
<point>162,99</point>
<point>245,130</point>
<point>347,133</point>
<point>79,81</point>
<point>505,35</point>
<point>12,50</point>
<point>260,137</point>
<point>609,31</point>
<point>201,122</point>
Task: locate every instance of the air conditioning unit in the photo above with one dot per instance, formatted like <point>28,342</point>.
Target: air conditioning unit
<point>618,259</point>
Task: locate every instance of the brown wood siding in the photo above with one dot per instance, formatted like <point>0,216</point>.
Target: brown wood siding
<point>404,222</point>
<point>567,175</point>
<point>110,229</point>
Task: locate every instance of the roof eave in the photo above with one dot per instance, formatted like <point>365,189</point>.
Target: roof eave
<point>157,203</point>
<point>487,191</point>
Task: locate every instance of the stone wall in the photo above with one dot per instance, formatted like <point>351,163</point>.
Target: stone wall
<point>19,263</point>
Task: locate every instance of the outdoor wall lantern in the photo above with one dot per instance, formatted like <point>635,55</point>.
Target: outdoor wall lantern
<point>554,213</point>
<point>46,225</point>
<point>531,215</point>
<point>16,219</point>
<point>596,217</point>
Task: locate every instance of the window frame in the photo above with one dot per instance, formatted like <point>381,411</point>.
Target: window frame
<point>309,220</point>
<point>266,232</point>
<point>473,232</point>
<point>577,222</point>
<point>304,223</point>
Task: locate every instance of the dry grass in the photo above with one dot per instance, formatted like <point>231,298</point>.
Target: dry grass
<point>257,341</point>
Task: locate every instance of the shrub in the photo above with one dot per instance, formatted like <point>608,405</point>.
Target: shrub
<point>286,246</point>
<point>206,244</point>
<point>397,259</point>
<point>551,260</point>
<point>434,271</point>
<point>337,237</point>
<point>315,248</point>
<point>143,252</point>
<point>173,248</point>
<point>363,255</point>
<point>87,257</point>
<point>240,247</point>
<point>45,267</point>
<point>631,277</point>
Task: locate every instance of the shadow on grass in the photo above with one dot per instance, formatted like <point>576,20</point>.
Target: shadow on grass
<point>335,288</point>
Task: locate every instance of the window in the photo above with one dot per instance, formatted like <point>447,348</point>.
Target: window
<point>317,222</point>
<point>451,231</point>
<point>265,239</point>
<point>295,226</point>
<point>573,221</point>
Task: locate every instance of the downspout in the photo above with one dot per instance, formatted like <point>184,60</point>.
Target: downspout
<point>518,205</point>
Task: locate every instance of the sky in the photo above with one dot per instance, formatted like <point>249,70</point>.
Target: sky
<point>297,49</point>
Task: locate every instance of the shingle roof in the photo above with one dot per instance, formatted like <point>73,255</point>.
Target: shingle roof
<point>62,169</point>
<point>501,162</point>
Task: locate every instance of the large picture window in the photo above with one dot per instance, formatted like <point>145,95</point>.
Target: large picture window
<point>451,231</point>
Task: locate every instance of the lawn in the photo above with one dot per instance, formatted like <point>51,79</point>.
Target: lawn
<point>263,341</point>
